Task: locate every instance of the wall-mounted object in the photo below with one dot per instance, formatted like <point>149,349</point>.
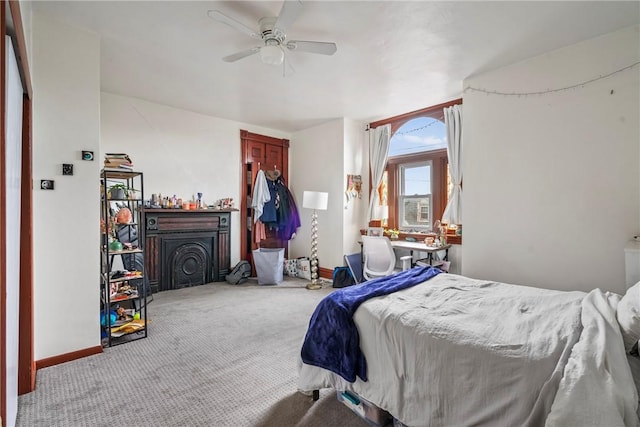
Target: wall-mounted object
<point>87,155</point>
<point>46,184</point>
<point>354,187</point>
<point>67,169</point>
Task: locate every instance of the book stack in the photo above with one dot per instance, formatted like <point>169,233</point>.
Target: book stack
<point>117,161</point>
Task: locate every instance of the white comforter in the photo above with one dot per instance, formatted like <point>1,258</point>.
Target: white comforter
<point>457,351</point>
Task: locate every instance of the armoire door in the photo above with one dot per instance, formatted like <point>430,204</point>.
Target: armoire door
<point>259,152</point>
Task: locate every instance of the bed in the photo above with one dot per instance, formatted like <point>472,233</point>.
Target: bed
<point>451,350</point>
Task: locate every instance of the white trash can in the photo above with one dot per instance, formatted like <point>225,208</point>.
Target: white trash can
<point>269,263</point>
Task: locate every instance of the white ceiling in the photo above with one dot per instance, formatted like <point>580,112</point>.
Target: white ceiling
<point>393,57</point>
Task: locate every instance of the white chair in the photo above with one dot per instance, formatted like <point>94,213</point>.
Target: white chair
<point>379,258</point>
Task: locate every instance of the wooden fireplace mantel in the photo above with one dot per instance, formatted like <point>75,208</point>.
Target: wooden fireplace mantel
<point>186,247</point>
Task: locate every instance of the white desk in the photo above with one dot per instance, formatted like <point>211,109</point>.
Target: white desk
<point>421,247</point>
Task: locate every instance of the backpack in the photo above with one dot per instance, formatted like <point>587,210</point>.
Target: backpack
<point>239,273</point>
<point>342,277</point>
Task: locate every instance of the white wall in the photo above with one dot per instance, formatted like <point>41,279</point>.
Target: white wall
<point>356,162</point>
<point>552,182</point>
<point>179,152</point>
<point>320,159</point>
<point>66,120</point>
<point>316,164</point>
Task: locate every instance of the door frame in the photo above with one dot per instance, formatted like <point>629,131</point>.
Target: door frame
<point>248,172</point>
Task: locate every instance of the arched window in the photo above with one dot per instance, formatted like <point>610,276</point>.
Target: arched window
<point>418,166</point>
<point>416,182</point>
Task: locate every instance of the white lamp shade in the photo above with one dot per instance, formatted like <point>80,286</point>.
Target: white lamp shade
<point>381,212</point>
<point>315,200</point>
<point>271,54</point>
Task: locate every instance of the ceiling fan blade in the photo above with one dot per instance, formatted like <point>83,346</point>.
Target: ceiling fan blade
<point>325,48</point>
<point>241,54</point>
<point>221,17</point>
<point>288,13</point>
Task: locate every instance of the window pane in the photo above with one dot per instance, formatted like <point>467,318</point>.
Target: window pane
<point>415,212</point>
<point>414,202</point>
<point>415,179</point>
<point>418,135</point>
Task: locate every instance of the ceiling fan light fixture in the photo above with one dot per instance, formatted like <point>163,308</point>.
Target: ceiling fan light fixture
<point>271,54</point>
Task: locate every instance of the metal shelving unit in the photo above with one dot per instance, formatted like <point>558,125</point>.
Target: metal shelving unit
<point>123,286</point>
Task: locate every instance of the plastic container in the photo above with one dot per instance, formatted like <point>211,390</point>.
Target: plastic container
<point>269,263</point>
<point>364,409</point>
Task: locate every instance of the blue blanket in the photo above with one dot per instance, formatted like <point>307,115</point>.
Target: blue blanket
<point>332,341</point>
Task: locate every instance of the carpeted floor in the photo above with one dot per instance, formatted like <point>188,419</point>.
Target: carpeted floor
<point>216,355</point>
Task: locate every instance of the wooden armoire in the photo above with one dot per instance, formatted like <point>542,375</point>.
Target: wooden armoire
<point>266,153</point>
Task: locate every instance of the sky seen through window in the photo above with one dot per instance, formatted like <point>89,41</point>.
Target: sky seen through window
<point>415,136</point>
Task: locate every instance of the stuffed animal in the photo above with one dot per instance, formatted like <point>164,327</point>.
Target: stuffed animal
<point>121,312</point>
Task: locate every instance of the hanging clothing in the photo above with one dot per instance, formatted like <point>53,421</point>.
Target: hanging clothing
<point>289,220</point>
<point>270,208</point>
<point>261,195</point>
<point>280,213</point>
<point>259,232</point>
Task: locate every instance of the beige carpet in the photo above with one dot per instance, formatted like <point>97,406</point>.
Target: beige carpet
<point>216,355</point>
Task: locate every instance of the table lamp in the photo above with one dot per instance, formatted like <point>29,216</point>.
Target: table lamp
<point>315,200</point>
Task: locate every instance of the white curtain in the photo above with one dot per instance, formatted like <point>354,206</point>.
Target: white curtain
<point>378,153</point>
<point>453,123</point>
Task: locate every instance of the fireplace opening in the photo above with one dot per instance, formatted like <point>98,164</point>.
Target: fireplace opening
<point>188,260</point>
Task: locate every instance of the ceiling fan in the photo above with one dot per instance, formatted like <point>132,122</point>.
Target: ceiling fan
<point>273,33</point>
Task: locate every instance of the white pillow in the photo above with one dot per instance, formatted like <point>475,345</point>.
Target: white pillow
<point>628,315</point>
